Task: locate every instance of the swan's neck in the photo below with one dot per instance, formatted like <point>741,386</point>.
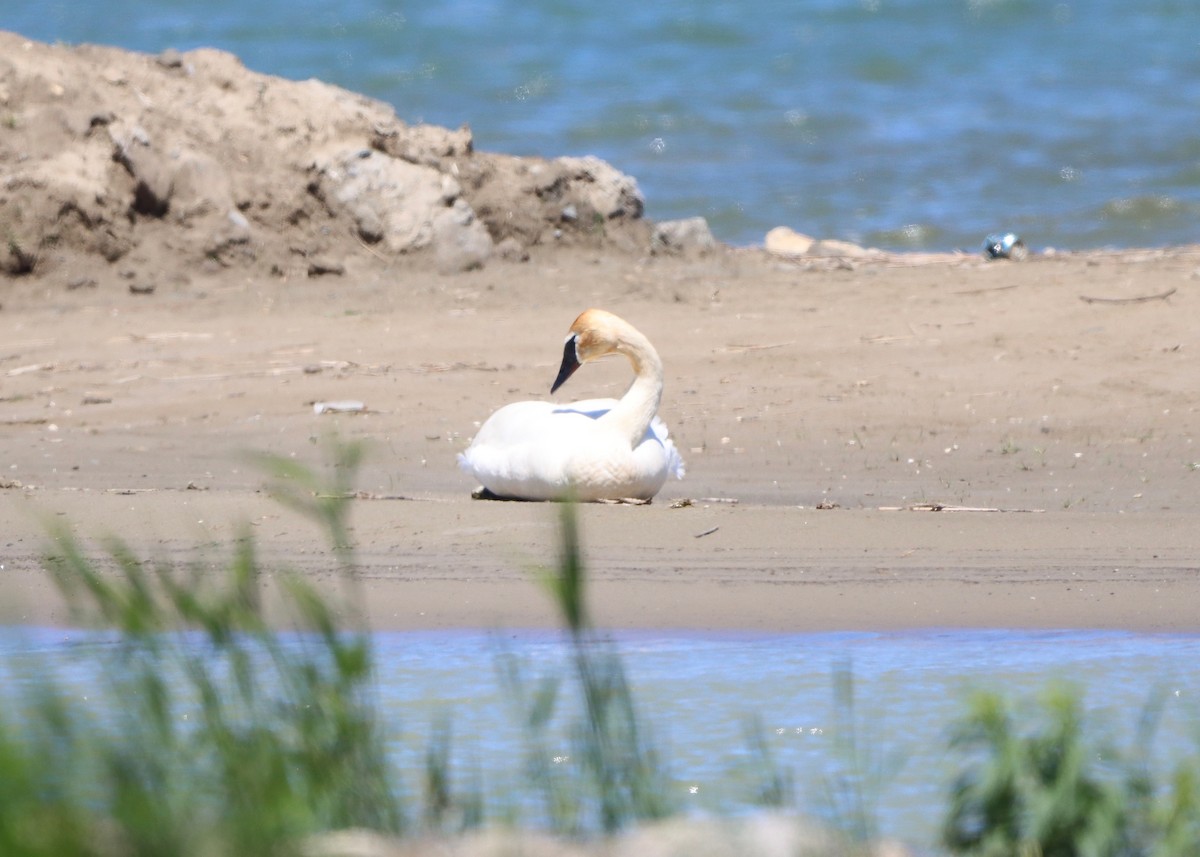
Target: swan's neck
<point>635,410</point>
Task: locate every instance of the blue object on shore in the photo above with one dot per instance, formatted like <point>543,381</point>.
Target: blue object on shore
<point>1006,246</point>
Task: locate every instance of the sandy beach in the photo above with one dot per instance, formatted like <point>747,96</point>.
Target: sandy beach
<point>825,415</point>
<point>872,441</point>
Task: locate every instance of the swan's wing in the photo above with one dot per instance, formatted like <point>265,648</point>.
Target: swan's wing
<point>541,451</point>
<point>524,449</point>
<point>511,424</point>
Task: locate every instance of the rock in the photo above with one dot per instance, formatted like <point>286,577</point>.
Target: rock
<point>319,266</point>
<point>229,241</point>
<point>681,236</point>
<point>512,250</point>
<point>59,203</point>
<point>146,166</point>
<point>18,258</point>
<point>170,58</point>
<point>368,222</point>
<point>198,186</point>
<point>422,144</point>
<point>403,205</point>
<point>220,165</point>
<point>604,189</point>
<point>784,241</point>
<point>462,242</point>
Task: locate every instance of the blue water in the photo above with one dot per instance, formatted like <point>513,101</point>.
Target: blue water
<point>904,124</point>
<point>698,691</point>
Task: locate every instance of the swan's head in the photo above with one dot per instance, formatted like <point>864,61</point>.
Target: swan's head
<point>594,334</point>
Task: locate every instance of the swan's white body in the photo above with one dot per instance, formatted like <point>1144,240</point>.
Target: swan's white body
<point>599,449</point>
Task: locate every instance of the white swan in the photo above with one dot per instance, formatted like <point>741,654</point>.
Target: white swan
<point>599,449</point>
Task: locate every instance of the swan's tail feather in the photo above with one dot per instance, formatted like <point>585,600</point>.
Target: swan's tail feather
<point>675,465</point>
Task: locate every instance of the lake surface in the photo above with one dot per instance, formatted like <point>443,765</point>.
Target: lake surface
<point>903,124</point>
<point>697,692</point>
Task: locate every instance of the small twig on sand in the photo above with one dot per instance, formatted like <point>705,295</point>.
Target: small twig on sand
<point>373,251</point>
<point>943,507</point>
<point>984,291</point>
<point>32,367</point>
<point>1138,300</point>
<point>708,532</point>
<point>742,349</point>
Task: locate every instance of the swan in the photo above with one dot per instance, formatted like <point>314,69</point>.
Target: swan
<point>592,450</point>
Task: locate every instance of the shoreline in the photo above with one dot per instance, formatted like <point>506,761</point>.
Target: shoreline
<point>854,570</point>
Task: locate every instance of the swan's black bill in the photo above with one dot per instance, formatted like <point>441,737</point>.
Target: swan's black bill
<point>570,363</point>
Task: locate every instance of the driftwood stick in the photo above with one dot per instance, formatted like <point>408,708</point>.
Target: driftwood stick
<point>945,507</point>
<point>1138,300</point>
<point>985,290</point>
<point>742,349</point>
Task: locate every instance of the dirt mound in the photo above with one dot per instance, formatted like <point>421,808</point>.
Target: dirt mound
<point>158,166</point>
